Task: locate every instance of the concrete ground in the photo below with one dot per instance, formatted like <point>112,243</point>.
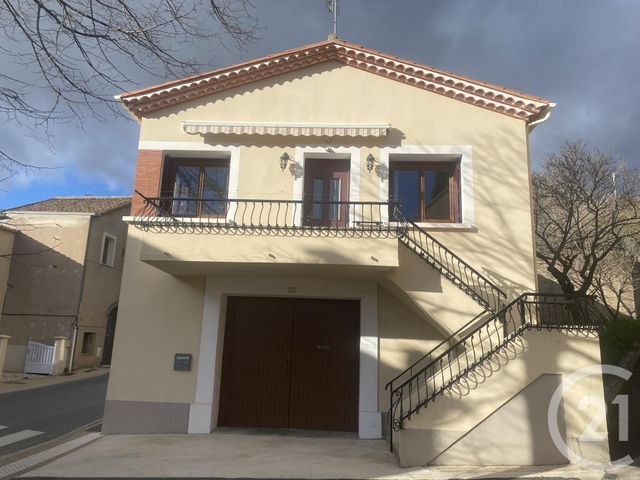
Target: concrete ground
<point>234,454</point>
<point>13,382</point>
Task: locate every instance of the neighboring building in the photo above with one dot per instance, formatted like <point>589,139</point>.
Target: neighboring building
<point>7,237</point>
<point>270,282</point>
<point>66,268</point>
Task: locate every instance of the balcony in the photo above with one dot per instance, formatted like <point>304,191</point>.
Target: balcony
<point>210,236</point>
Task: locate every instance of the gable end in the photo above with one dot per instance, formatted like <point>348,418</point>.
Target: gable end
<point>481,94</point>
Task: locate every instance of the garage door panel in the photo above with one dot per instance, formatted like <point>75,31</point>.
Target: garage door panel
<point>291,363</point>
<point>309,372</point>
<point>256,363</point>
<point>324,376</point>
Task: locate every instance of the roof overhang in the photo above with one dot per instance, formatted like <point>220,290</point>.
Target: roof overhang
<point>481,94</point>
<point>204,127</point>
<point>45,213</point>
<point>7,228</point>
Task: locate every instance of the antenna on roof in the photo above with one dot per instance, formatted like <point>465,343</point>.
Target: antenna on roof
<point>332,5</point>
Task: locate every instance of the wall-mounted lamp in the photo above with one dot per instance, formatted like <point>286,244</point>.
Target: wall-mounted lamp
<point>284,159</point>
<point>370,161</point>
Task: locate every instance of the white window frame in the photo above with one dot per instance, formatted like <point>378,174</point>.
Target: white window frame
<point>464,152</point>
<point>111,259</point>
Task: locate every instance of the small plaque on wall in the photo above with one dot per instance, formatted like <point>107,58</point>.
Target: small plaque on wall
<point>182,362</point>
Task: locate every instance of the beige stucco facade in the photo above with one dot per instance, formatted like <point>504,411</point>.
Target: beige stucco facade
<point>176,283</point>
<point>59,288</point>
<point>499,219</point>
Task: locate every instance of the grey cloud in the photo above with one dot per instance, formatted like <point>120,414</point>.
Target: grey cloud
<point>582,54</point>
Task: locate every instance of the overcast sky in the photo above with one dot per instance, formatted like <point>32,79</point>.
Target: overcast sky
<point>582,54</point>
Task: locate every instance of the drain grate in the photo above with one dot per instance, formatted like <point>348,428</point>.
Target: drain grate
<point>15,382</point>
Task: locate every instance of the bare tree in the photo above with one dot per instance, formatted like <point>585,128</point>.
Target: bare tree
<point>63,59</point>
<point>617,278</point>
<point>587,211</point>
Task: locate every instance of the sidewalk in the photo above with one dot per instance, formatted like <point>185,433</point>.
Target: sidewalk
<point>13,382</point>
<point>236,455</point>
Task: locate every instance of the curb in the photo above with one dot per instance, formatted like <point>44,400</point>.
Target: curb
<point>31,462</point>
<point>26,387</point>
<point>30,458</point>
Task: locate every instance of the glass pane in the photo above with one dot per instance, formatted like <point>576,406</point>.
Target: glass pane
<point>437,197</point>
<point>406,190</point>
<point>334,196</point>
<point>186,187</point>
<point>317,193</point>
<point>215,187</point>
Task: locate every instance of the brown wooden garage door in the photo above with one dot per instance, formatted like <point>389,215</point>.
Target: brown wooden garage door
<point>290,363</point>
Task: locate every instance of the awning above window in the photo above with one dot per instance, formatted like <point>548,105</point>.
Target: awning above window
<point>204,127</point>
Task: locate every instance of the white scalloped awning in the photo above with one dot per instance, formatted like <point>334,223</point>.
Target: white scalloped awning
<point>200,127</point>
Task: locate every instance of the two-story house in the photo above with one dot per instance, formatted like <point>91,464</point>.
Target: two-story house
<point>64,278</point>
<point>333,238</point>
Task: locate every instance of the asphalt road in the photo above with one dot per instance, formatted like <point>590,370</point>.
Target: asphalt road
<point>37,415</point>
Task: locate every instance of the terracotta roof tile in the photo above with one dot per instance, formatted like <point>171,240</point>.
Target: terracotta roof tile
<point>8,228</point>
<point>86,204</point>
<point>482,94</point>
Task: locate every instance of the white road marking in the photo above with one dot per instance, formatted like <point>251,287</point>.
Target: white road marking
<point>2,426</point>
<point>35,460</point>
<point>17,437</point>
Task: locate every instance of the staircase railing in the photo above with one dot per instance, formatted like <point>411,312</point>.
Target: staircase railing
<point>463,275</point>
<point>457,356</point>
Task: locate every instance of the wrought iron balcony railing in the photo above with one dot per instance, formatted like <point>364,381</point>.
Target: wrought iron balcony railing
<point>249,215</point>
<point>474,343</point>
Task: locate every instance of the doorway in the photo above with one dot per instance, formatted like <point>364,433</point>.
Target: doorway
<point>109,335</point>
<point>291,363</point>
<point>326,193</point>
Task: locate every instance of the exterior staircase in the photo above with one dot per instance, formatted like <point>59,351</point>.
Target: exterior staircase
<point>451,266</point>
<point>498,325</point>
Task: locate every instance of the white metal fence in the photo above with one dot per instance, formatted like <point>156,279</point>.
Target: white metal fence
<point>40,358</point>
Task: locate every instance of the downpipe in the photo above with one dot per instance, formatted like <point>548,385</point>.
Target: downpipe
<point>72,352</point>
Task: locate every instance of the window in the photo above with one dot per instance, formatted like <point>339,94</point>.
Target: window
<point>88,342</point>
<point>108,253</point>
<point>427,191</point>
<point>196,186</point>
